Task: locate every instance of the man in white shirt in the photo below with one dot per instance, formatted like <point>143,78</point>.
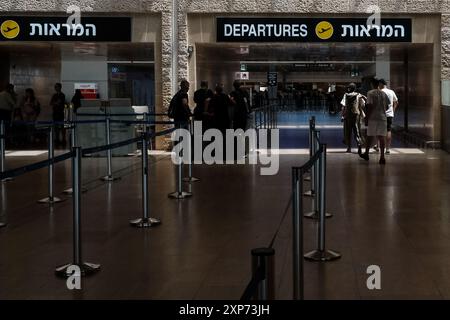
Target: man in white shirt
<point>393,104</point>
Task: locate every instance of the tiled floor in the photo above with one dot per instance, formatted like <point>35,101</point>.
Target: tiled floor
<point>397,217</point>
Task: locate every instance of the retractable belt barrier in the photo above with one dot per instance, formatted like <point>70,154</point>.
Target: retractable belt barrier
<point>122,114</point>
<point>52,160</point>
<point>317,165</point>
<point>78,264</point>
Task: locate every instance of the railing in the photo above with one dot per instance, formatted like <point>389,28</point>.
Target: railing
<point>317,164</point>
<point>266,115</point>
<point>261,285</point>
<point>76,154</point>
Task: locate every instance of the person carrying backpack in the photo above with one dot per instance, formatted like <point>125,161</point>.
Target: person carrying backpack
<point>352,113</point>
<point>179,109</point>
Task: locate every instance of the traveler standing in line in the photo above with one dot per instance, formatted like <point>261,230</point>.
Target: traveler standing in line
<point>30,109</point>
<point>393,104</point>
<point>352,113</point>
<point>218,108</point>
<point>179,109</point>
<point>7,103</point>
<point>239,99</point>
<point>201,98</point>
<point>30,106</point>
<point>58,103</point>
<point>376,121</point>
<point>76,100</point>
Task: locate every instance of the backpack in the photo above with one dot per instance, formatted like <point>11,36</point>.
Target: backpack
<point>352,103</point>
<point>172,107</point>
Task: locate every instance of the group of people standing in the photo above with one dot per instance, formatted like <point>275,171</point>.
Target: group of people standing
<point>377,111</point>
<point>215,109</point>
<point>25,111</point>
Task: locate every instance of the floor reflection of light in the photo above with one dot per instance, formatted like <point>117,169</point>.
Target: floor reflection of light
<point>25,153</point>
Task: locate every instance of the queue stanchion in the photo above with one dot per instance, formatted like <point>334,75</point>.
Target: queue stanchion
<point>312,127</point>
<point>85,268</point>
<point>109,177</point>
<point>297,239</point>
<point>314,146</point>
<point>321,254</point>
<point>263,262</point>
<point>73,143</point>
<point>51,199</point>
<point>315,182</point>
<point>190,177</point>
<point>180,194</point>
<point>3,149</point>
<point>145,221</point>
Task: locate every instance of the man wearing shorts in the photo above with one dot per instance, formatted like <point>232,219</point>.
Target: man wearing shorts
<point>376,120</point>
<point>393,103</point>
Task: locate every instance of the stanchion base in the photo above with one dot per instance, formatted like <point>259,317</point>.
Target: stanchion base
<point>7,180</point>
<point>191,179</point>
<point>315,215</point>
<point>70,191</point>
<point>145,222</point>
<point>109,178</point>
<point>180,195</point>
<point>50,201</point>
<point>327,255</point>
<point>86,269</point>
<point>3,224</point>
<point>309,193</point>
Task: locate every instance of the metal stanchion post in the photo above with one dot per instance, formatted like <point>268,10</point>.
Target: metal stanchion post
<point>315,183</point>
<point>3,149</point>
<point>73,143</point>
<point>321,254</point>
<point>297,245</point>
<point>312,127</point>
<point>85,268</point>
<point>180,194</point>
<point>145,221</point>
<point>315,136</point>
<point>190,178</point>
<point>51,170</point>
<point>263,259</point>
<point>109,177</point>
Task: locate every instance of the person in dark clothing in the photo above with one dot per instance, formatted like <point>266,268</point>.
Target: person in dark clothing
<point>76,100</point>
<point>352,113</point>
<point>58,103</point>
<point>218,108</point>
<point>239,99</point>
<point>180,102</point>
<point>201,98</point>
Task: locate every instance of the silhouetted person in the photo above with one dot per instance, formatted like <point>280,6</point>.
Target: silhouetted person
<point>76,100</point>
<point>239,99</point>
<point>7,103</point>
<point>58,103</point>
<point>219,106</point>
<point>201,98</point>
<point>179,105</point>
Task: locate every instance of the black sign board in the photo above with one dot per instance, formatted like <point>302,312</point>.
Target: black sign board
<point>91,29</point>
<point>312,30</point>
<point>272,79</point>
